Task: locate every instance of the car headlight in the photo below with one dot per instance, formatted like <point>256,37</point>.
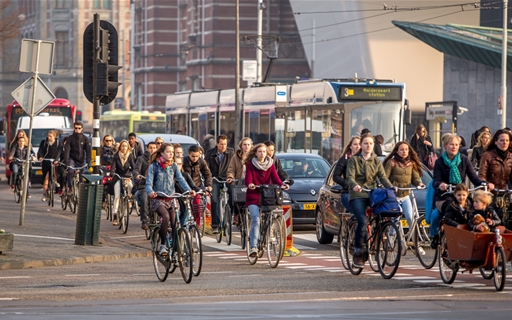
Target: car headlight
<point>286,198</point>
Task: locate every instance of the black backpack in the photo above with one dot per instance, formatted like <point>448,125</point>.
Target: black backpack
<point>271,196</point>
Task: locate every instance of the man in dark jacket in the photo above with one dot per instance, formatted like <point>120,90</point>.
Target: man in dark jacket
<point>76,151</point>
<point>135,146</point>
<point>218,159</point>
<point>140,169</point>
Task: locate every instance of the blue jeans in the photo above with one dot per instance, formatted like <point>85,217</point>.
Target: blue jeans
<point>142,201</point>
<point>254,210</point>
<point>358,208</point>
<point>344,201</point>
<point>407,209</point>
<point>15,167</point>
<point>435,222</point>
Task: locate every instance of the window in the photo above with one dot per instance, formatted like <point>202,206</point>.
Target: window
<point>96,4</point>
<point>62,4</point>
<point>102,4</point>
<point>61,47</point>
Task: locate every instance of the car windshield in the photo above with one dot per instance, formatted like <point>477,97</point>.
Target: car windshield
<point>309,167</point>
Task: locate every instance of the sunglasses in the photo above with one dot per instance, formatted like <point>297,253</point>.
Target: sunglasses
<point>108,140</point>
<point>158,142</point>
<point>78,128</point>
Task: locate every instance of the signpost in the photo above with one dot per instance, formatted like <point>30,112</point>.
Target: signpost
<point>37,57</point>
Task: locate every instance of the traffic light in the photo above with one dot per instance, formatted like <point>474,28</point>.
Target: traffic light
<point>101,63</point>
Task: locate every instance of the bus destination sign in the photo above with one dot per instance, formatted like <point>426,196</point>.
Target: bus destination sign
<point>384,93</point>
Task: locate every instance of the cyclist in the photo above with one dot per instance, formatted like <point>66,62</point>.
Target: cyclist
<point>271,153</point>
<point>135,146</point>
<point>76,151</point>
<point>159,141</point>
<point>403,168</point>
<point>481,146</point>
<point>141,167</point>
<point>179,189</point>
<point>178,151</point>
<point>340,171</point>
<point>259,169</point>
<point>49,148</point>
<point>160,177</point>
<point>198,170</point>
<point>19,151</point>
<point>451,168</point>
<point>19,134</point>
<point>122,164</point>
<point>236,169</point>
<point>107,150</point>
<point>362,169</point>
<point>218,159</point>
<point>61,170</point>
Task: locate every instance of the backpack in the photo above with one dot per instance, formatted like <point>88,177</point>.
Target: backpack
<point>384,201</point>
<point>271,196</point>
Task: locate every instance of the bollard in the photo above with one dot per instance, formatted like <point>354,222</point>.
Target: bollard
<point>89,210</point>
<point>289,251</point>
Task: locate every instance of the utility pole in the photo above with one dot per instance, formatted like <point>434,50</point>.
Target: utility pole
<point>238,109</point>
<point>261,6</point>
<point>504,43</point>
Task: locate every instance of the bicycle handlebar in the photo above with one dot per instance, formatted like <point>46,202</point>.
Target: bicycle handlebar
<point>452,186</point>
<point>174,195</point>
<point>411,189</point>
<point>220,181</point>
<point>22,160</point>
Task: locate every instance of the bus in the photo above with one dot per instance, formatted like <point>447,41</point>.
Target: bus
<point>58,107</point>
<point>119,123</point>
<point>318,116</point>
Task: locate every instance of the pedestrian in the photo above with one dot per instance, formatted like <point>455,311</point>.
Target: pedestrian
<point>421,143</point>
<point>481,146</point>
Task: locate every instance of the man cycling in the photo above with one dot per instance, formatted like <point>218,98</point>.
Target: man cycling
<point>141,167</point>
<point>135,146</point>
<point>218,159</point>
<point>76,151</point>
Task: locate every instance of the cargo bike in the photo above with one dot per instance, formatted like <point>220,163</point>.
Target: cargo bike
<point>464,250</point>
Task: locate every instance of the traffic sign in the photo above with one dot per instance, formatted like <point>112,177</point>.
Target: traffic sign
<point>29,55</point>
<point>24,93</point>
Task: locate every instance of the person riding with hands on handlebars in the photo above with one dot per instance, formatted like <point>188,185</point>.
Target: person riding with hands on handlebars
<point>76,151</point>
<point>259,170</point>
<point>141,167</point>
<point>49,148</point>
<point>160,178</point>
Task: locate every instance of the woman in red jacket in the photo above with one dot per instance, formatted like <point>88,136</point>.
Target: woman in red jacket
<point>259,169</point>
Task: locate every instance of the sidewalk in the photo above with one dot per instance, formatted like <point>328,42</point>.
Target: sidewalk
<point>47,237</point>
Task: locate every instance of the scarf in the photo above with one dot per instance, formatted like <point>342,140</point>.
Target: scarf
<point>265,165</point>
<point>502,154</point>
<point>454,167</point>
<point>397,158</point>
<point>124,157</point>
<point>165,164</point>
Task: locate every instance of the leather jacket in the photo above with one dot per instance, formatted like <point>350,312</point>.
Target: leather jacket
<point>494,169</point>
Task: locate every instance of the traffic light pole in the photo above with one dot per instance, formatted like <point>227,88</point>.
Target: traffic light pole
<point>95,152</point>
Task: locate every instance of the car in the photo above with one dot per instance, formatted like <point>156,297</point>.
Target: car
<point>303,194</point>
<point>329,207</point>
<point>184,141</point>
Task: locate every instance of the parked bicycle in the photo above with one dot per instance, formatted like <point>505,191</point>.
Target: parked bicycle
<point>179,247</point>
<point>225,217</point>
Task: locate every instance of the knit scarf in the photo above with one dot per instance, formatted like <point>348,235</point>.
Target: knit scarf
<point>397,158</point>
<point>165,164</point>
<point>267,163</point>
<point>454,167</point>
<point>502,154</point>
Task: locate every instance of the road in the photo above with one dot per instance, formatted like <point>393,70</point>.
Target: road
<point>312,285</point>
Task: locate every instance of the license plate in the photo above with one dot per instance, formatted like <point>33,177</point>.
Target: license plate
<point>404,223</point>
<point>39,172</point>
<point>309,206</point>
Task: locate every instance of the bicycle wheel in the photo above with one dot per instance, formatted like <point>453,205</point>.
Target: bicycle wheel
<point>110,204</point>
<point>274,239</point>
<point>185,255</point>
<point>74,201</point>
<point>372,260</point>
<point>64,198</point>
<point>197,249</point>
<point>126,216</point>
<point>389,250</point>
<point>500,271</point>
<point>202,223</point>
<point>160,263</point>
<point>243,227</point>
<point>282,223</point>
<point>343,242</point>
<point>349,250</point>
<point>447,268</point>
<point>17,190</point>
<point>252,260</point>
<point>228,224</point>
<point>218,236</point>
<point>425,253</point>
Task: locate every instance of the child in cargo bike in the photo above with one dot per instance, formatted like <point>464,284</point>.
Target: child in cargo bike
<point>483,218</point>
<point>457,212</point>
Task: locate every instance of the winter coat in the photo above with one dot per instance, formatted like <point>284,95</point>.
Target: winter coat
<point>236,167</point>
<point>486,213</point>
<point>455,215</point>
<point>141,168</point>
<point>107,155</point>
<point>402,175</point>
<point>196,170</point>
<point>77,148</point>
<point>363,173</point>
<point>258,177</point>
<point>422,149</point>
<point>494,169</point>
<point>137,150</point>
<point>49,152</point>
<point>340,173</point>
<point>217,169</point>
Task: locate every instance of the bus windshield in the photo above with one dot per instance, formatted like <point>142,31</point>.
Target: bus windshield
<point>148,127</point>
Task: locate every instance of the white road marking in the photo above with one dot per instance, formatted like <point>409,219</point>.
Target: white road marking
<point>16,277</point>
<point>82,275</point>
<point>42,237</point>
<point>413,278</point>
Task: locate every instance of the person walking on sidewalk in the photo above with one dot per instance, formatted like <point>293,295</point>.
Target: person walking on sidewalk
<point>218,159</point>
<point>76,151</point>
<point>122,164</point>
<point>49,148</point>
<point>141,167</point>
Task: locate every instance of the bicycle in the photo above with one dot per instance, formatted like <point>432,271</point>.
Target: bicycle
<point>108,202</point>
<point>225,217</point>
<point>50,190</point>
<point>383,243</point>
<point>270,237</point>
<point>125,209</point>
<point>195,236</point>
<point>180,252</point>
<point>417,237</point>
<point>239,191</point>
<point>20,177</point>
<point>71,198</point>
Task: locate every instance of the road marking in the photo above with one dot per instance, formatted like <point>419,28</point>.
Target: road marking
<point>9,299</point>
<point>303,267</point>
<point>42,237</point>
<point>322,257</point>
<point>82,275</point>
<point>413,278</point>
<point>16,277</point>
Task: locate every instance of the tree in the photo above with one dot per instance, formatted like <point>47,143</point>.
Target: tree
<point>10,22</point>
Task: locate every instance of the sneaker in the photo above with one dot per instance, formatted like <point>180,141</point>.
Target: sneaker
<point>144,225</point>
<point>421,251</point>
<point>215,231</point>
<point>357,260</point>
<point>114,220</point>
<point>254,252</point>
<point>44,198</point>
<point>162,250</point>
<point>30,184</point>
<point>434,242</point>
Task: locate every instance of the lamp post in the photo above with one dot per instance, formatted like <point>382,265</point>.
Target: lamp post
<point>504,42</point>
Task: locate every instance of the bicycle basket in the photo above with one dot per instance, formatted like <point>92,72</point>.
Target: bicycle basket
<point>270,196</point>
<point>239,191</point>
<point>383,201</point>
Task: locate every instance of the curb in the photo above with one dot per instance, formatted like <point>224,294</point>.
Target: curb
<point>72,261</point>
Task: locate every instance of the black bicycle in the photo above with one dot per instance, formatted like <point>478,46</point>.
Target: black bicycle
<point>50,190</point>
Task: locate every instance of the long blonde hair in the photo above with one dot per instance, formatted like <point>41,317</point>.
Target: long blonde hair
<point>252,153</point>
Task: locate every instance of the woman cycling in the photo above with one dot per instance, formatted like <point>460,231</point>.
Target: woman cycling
<point>236,168</point>
<point>160,178</point>
<point>48,149</point>
<point>452,168</point>
<point>362,169</point>
<point>259,169</point>
<point>20,134</point>
<point>19,151</point>
<point>340,171</point>
<point>496,162</point>
<point>403,168</point>
<point>483,141</point>
<point>122,164</point>
<point>422,144</point>
<point>107,150</point>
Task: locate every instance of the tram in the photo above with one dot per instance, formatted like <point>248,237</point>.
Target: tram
<point>317,116</point>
